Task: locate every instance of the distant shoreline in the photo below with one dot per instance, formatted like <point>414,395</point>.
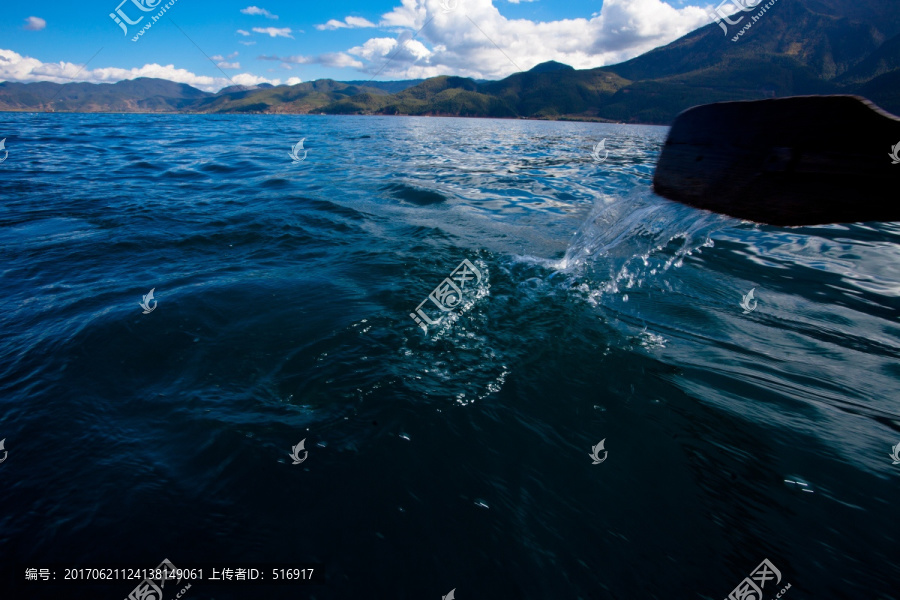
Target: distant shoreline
<point>137,112</point>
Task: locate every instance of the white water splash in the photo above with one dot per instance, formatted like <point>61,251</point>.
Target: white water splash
<point>629,240</point>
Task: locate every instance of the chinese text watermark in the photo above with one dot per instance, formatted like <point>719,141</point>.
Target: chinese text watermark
<point>448,295</point>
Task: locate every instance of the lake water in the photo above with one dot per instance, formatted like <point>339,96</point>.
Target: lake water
<point>456,458</point>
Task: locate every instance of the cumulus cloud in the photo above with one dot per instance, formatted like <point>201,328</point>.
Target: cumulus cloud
<point>15,67</point>
<point>34,24</point>
<point>275,31</point>
<point>474,41</point>
<point>255,10</point>
<point>466,41</point>
<point>347,23</point>
<point>402,49</point>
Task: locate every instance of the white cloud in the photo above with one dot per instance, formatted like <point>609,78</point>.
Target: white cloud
<point>462,42</point>
<point>15,67</point>
<point>347,23</point>
<point>330,59</point>
<point>222,61</point>
<point>404,48</point>
<point>338,59</point>
<point>255,10</point>
<point>294,81</point>
<point>34,24</point>
<point>275,31</point>
<point>246,79</point>
<point>374,48</point>
<point>297,60</point>
<point>459,42</point>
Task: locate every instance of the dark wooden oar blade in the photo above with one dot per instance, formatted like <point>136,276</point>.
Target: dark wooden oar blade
<point>804,160</point>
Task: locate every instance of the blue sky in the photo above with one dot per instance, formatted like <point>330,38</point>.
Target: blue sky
<point>213,44</point>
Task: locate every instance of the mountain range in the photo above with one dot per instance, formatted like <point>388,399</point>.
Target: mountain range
<point>796,47</point>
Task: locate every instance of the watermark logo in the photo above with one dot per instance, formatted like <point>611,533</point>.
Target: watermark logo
<point>295,152</point>
<point>145,303</point>
<point>895,153</point>
<point>5,452</point>
<point>6,152</point>
<point>449,596</point>
<point>143,5</point>
<point>296,450</point>
<point>148,588</point>
<point>746,299</point>
<point>121,18</point>
<point>751,588</point>
<point>449,6</point>
<point>448,295</point>
<point>895,453</point>
<point>746,6</point>
<point>600,147</point>
<point>595,452</point>
<point>718,14</point>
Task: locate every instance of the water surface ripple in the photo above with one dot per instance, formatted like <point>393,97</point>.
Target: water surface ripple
<point>456,458</point>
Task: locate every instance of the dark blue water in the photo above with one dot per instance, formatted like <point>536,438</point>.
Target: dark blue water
<point>456,458</point>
